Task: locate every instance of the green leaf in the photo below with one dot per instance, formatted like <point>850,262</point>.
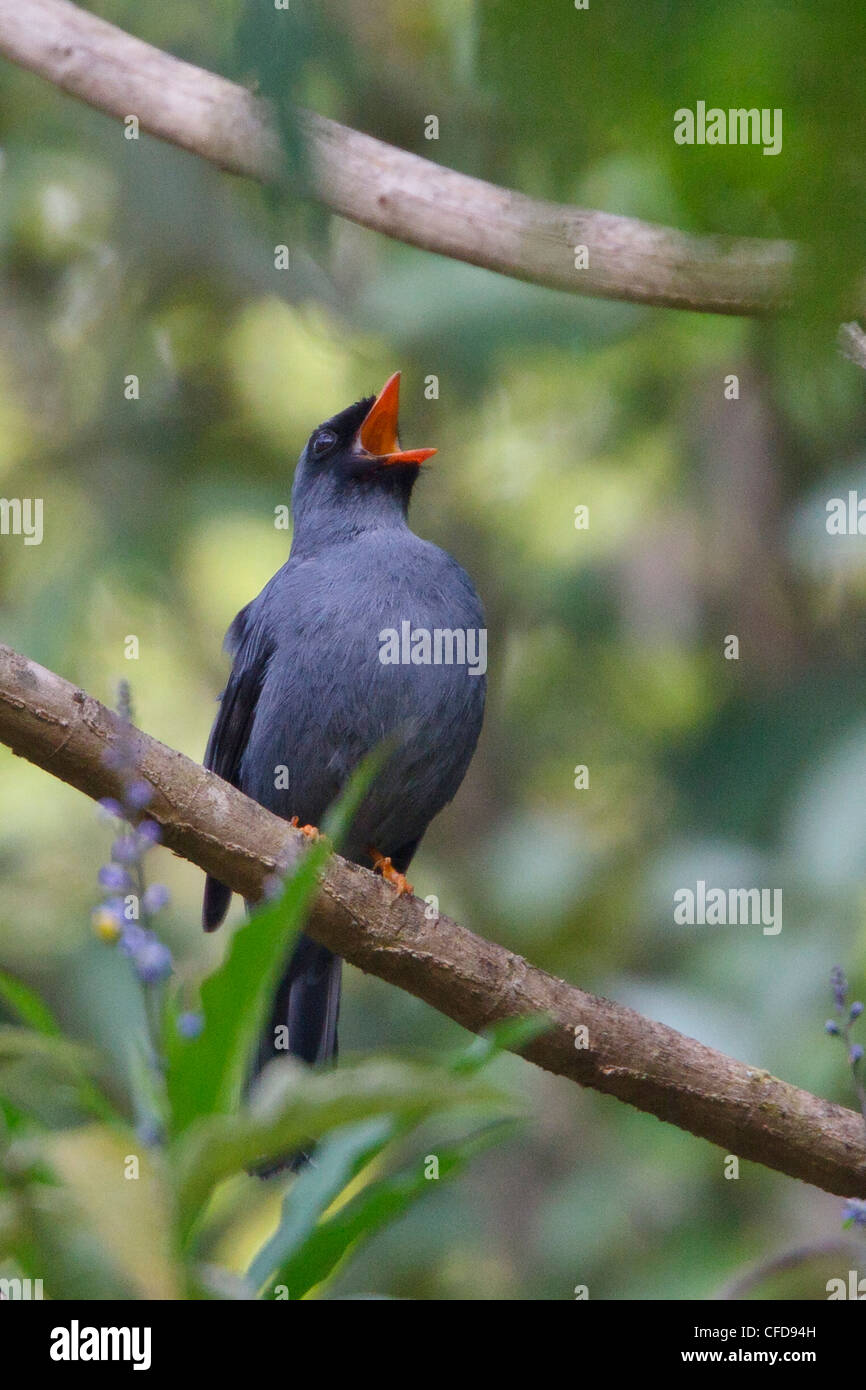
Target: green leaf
<point>206,1074</point>
<point>510,1035</point>
<point>339,1158</point>
<point>376,1207</point>
<point>26,1004</point>
<point>70,1062</point>
<point>272,49</point>
<point>68,1057</point>
<point>293,1105</point>
<point>52,1238</point>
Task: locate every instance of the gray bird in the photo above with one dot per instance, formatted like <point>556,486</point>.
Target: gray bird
<point>357,639</point>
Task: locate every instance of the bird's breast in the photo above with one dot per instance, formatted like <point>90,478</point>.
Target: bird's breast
<point>367,652</point>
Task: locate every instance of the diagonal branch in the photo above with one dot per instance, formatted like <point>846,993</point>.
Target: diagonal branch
<point>745,1110</point>
<point>388,189</point>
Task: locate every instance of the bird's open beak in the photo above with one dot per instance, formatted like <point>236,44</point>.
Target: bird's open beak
<point>378,434</point>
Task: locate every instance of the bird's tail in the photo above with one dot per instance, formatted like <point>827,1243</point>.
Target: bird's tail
<point>303,1024</point>
<point>303,1021</point>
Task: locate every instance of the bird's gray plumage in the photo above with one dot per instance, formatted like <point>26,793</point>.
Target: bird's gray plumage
<point>308,696</point>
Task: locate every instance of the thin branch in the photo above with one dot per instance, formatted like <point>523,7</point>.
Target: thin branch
<point>851,342</point>
<point>743,1284</point>
<point>744,1109</point>
<point>388,189</point>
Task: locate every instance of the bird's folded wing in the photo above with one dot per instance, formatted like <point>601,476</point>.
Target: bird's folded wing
<point>253,648</point>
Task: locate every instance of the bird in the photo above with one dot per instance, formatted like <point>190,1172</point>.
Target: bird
<point>317,683</point>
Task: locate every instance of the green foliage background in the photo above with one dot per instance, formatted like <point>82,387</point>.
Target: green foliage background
<point>707,518</point>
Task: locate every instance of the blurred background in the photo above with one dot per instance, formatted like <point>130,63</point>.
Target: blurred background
<point>706,519</point>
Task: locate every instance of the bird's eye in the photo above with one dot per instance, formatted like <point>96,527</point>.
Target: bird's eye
<point>324,441</point>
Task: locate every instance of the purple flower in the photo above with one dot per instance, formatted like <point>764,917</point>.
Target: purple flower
<point>138,794</point>
<point>856,1009</point>
<point>854,1210</point>
<point>152,961</point>
<point>272,887</point>
<point>839,986</point>
<point>125,850</point>
<point>113,877</point>
<point>190,1025</point>
<point>855,1054</point>
<point>155,898</point>
<point>831,1028</point>
<point>134,938</point>
<point>120,758</point>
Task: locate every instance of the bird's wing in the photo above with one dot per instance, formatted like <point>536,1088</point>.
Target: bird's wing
<point>252,648</point>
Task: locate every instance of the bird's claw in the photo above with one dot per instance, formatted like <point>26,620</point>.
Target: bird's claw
<point>382,865</point>
<point>309,830</point>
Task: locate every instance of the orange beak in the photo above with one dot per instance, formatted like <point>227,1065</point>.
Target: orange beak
<point>378,434</point>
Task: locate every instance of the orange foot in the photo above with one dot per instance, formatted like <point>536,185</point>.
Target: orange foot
<point>382,865</point>
<point>309,830</point>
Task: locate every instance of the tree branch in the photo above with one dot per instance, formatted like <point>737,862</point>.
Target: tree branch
<point>744,1109</point>
<point>388,189</point>
<point>851,342</point>
<point>743,1283</point>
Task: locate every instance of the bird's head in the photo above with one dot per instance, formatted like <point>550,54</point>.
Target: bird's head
<point>353,474</point>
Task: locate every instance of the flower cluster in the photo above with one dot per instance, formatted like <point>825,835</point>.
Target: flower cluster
<point>840,1027</point>
<point>854,1211</point>
<point>847,1016</point>
<point>126,914</point>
